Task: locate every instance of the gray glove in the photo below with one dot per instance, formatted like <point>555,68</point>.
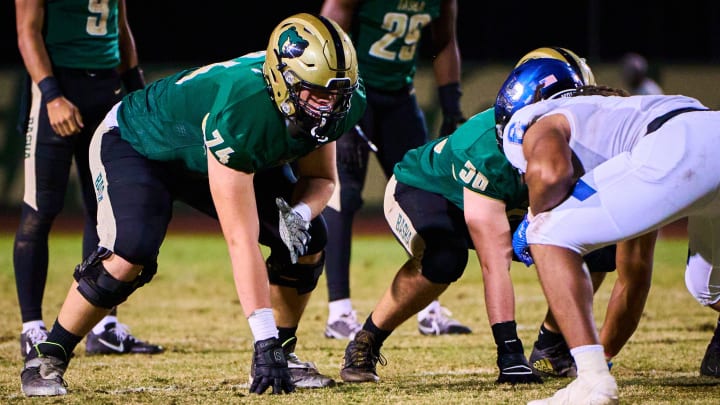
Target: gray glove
<point>293,230</point>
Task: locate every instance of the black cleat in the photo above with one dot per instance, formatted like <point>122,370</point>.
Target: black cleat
<point>710,365</point>
<point>553,361</point>
<point>514,369</point>
<point>360,360</point>
<point>116,339</point>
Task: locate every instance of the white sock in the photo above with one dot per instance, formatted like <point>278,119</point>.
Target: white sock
<point>432,307</point>
<point>339,308</point>
<point>590,359</point>
<point>262,324</point>
<point>100,327</point>
<point>33,325</point>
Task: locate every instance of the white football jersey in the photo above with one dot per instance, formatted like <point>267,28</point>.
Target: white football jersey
<point>601,127</point>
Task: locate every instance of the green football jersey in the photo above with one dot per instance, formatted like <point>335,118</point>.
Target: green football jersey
<point>468,158</point>
<point>83,34</point>
<point>225,106</point>
<point>386,37</point>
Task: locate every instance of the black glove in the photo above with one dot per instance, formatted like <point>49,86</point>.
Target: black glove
<point>133,79</point>
<point>450,124</point>
<point>293,230</point>
<point>270,368</point>
<point>352,151</point>
<point>449,96</point>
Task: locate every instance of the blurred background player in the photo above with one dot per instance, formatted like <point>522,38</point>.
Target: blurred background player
<point>79,56</point>
<point>387,36</point>
<point>634,74</point>
<point>218,138</point>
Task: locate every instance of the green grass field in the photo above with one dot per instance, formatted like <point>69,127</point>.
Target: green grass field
<point>191,308</point>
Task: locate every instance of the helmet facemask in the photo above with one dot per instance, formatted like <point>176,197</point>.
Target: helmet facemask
<point>317,107</point>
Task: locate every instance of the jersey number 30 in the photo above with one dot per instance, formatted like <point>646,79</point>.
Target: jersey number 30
<point>470,175</point>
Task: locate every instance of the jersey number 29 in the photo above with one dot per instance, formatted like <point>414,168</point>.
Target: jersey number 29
<point>398,25</point>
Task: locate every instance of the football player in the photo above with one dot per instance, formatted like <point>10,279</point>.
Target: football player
<point>634,74</point>
<point>550,356</point>
<point>600,170</point>
<point>78,58</point>
<point>387,36</point>
<point>453,194</point>
<point>219,138</point>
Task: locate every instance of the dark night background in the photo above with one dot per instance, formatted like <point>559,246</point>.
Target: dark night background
<point>680,37</point>
<point>184,32</point>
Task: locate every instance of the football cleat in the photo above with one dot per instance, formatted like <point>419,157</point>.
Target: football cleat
<point>360,360</point>
<point>437,321</point>
<point>116,339</point>
<point>710,365</point>
<point>304,373</point>
<point>553,361</point>
<point>30,338</point>
<point>597,390</point>
<point>43,376</point>
<point>344,327</point>
<point>514,369</point>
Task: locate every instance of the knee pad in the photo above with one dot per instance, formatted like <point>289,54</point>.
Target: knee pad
<point>100,288</point>
<point>302,277</point>
<point>698,275</point>
<point>444,265</point>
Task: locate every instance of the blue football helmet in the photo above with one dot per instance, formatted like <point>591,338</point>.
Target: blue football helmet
<point>533,80</point>
<point>578,64</point>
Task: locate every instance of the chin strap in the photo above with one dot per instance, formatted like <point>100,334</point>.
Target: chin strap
<point>318,131</point>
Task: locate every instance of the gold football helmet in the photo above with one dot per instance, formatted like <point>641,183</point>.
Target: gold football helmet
<point>578,64</point>
<point>309,52</point>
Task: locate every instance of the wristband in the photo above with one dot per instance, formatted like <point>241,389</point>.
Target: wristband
<point>303,210</point>
<point>50,89</point>
<point>449,96</point>
<point>133,79</point>
<point>262,324</point>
